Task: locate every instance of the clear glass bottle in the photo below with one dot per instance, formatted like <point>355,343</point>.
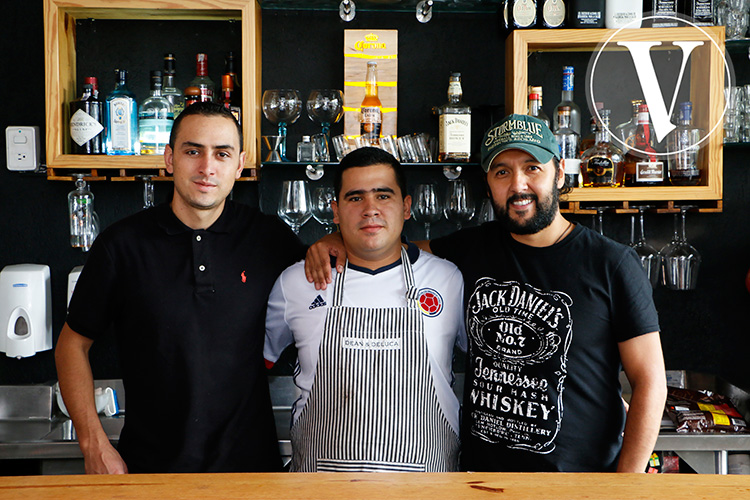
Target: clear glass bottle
<point>626,130</point>
<point>684,152</point>
<point>122,118</point>
<point>590,139</point>
<point>568,141</point>
<point>601,164</point>
<point>371,115</point>
<point>535,104</point>
<point>454,141</point>
<point>228,97</point>
<point>305,151</point>
<point>567,100</point>
<point>81,215</point>
<point>87,123</point>
<point>642,165</point>
<point>155,118</point>
<point>201,80</point>
<point>169,91</point>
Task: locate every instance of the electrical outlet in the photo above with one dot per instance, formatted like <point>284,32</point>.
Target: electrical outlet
<point>22,147</point>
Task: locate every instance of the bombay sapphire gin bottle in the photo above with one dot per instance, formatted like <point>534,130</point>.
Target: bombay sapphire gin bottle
<point>122,118</point>
<point>155,118</point>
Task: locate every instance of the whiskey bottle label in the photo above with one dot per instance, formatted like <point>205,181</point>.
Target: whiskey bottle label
<point>83,127</point>
<point>649,171</point>
<point>524,13</point>
<point>601,170</point>
<point>554,13</point>
<point>455,134</point>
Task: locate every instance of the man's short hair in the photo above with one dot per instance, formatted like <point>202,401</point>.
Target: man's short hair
<point>204,109</point>
<point>367,157</point>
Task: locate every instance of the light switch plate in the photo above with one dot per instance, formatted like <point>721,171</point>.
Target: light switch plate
<point>22,148</point>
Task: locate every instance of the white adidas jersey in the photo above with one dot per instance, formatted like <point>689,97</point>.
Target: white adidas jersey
<point>296,314</point>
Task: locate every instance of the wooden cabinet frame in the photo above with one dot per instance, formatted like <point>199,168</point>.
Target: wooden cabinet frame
<point>706,92</point>
<point>60,64</point>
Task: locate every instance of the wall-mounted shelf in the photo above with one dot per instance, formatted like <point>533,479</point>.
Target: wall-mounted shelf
<point>706,92</point>
<point>60,18</point>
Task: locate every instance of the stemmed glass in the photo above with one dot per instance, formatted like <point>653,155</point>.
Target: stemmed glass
<point>486,212</point>
<point>680,260</point>
<point>649,256</point>
<point>426,207</point>
<point>84,223</point>
<point>598,219</point>
<point>148,190</point>
<point>325,106</point>
<point>294,205</point>
<point>459,203</point>
<point>321,207</point>
<point>282,107</point>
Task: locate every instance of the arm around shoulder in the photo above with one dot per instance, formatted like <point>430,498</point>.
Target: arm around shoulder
<point>77,388</point>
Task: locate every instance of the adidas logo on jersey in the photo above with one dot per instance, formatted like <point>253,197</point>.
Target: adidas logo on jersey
<point>318,302</point>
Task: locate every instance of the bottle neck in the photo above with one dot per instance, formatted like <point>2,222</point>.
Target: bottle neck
<point>454,92</point>
<point>602,133</point>
<point>371,83</point>
<point>563,121</point>
<point>201,68</point>
<point>168,80</point>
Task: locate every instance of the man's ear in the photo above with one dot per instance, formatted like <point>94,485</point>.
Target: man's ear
<point>407,207</point>
<point>335,207</point>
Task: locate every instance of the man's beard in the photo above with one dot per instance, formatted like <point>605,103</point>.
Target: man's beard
<point>546,210</point>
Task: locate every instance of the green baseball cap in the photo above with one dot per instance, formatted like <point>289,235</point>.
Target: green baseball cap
<point>523,132</point>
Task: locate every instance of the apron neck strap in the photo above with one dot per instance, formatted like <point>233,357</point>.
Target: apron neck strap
<point>407,271</point>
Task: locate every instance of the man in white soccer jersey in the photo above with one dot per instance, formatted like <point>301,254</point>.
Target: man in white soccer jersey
<point>375,349</point>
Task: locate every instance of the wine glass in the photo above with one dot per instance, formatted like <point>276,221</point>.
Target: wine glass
<point>426,206</point>
<point>680,260</point>
<point>650,257</point>
<point>321,207</point>
<point>281,107</point>
<point>294,205</point>
<point>148,190</point>
<point>459,203</point>
<point>325,106</point>
<point>486,212</point>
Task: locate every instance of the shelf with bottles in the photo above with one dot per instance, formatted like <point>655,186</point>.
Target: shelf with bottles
<point>705,92</point>
<point>62,21</point>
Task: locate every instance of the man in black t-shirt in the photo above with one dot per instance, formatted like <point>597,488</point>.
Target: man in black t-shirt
<point>184,285</point>
<point>553,312</point>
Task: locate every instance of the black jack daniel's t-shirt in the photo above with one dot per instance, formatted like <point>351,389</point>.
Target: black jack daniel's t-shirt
<point>542,391</point>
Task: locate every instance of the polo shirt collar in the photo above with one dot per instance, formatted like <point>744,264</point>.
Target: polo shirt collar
<point>168,221</point>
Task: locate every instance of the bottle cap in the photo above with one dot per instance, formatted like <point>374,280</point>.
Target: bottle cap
<point>169,64</point>
<point>93,81</point>
<point>226,82</point>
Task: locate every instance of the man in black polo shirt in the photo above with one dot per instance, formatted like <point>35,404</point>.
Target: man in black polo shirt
<point>185,285</point>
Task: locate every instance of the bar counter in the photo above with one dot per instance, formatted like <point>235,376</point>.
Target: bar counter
<point>326,486</point>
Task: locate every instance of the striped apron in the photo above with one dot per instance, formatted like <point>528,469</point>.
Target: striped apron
<point>373,405</point>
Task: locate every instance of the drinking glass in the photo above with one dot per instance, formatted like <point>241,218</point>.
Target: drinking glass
<point>148,190</point>
<point>459,203</point>
<point>294,205</point>
<point>680,260</point>
<point>326,107</point>
<point>321,207</point>
<point>649,256</point>
<point>84,226</point>
<point>486,212</point>
<point>426,206</point>
<point>282,107</point>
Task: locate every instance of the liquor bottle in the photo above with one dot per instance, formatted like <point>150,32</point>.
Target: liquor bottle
<point>701,12</point>
<point>586,14</point>
<point>87,123</point>
<point>665,9</point>
<point>172,93</point>
<point>227,96</point>
<point>601,164</point>
<point>590,139</point>
<point>642,166</point>
<point>155,118</point>
<point>192,95</point>
<point>623,14</point>
<point>371,117</point>
<point>535,104</point>
<point>201,80</point>
<point>455,125</point>
<point>567,100</point>
<point>568,141</point>
<point>121,118</point>
<point>229,67</point>
<point>305,149</point>
<point>522,14</point>
<point>552,13</point>
<point>625,131</point>
<point>684,152</point>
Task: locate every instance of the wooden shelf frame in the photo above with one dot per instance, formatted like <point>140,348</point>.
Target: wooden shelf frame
<point>60,69</point>
<point>706,93</point>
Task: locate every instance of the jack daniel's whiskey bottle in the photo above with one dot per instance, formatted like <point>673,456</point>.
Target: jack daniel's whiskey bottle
<point>455,125</point>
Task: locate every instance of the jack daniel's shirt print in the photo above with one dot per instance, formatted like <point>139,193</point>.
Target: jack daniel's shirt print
<point>519,343</point>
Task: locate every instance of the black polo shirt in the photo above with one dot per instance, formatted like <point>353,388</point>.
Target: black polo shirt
<point>188,308</point>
